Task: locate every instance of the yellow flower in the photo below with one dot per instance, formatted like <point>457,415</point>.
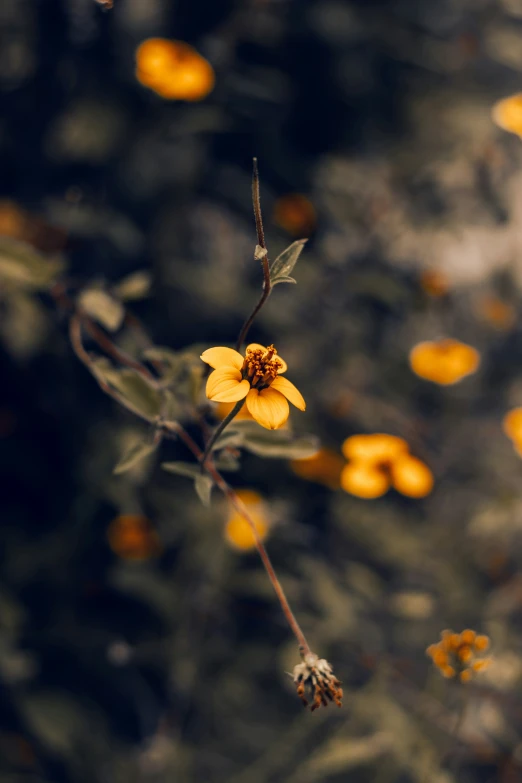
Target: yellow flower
<point>444,361</point>
<point>256,377</point>
<point>379,461</point>
<point>238,532</point>
<point>456,654</point>
<point>507,114</point>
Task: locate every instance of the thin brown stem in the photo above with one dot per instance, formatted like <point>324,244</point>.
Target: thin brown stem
<point>261,253</point>
<point>242,509</point>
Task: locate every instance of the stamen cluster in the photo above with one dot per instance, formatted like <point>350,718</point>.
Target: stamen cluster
<point>316,682</point>
<point>456,654</point>
<point>261,367</point>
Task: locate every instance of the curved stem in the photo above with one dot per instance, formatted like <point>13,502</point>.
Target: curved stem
<point>261,253</point>
<point>217,432</point>
<point>174,427</point>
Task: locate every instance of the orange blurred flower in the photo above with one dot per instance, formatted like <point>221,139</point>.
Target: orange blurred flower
<point>444,361</point>
<point>497,313</point>
<point>237,531</point>
<point>512,426</point>
<point>507,114</point>
<point>434,283</point>
<point>325,467</point>
<point>174,70</point>
<point>456,654</point>
<point>132,537</point>
<point>380,461</point>
<point>296,214</point>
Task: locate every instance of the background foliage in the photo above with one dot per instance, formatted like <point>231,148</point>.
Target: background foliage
<point>172,666</point>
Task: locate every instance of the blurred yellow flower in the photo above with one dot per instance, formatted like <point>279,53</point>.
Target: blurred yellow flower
<point>507,114</point>
<point>325,467</point>
<point>456,654</point>
<point>296,214</point>
<point>132,537</point>
<point>380,461</point>
<point>256,377</point>
<point>444,361</point>
<point>174,70</point>
<point>237,531</point>
<point>512,426</point>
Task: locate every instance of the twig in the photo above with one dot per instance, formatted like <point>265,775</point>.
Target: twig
<point>217,432</point>
<point>263,256</point>
<point>240,507</point>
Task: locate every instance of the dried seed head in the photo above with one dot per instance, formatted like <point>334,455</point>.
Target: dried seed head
<point>316,682</point>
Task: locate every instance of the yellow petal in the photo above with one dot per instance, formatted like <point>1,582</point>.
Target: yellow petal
<point>291,393</point>
<point>377,447</point>
<point>364,481</point>
<point>411,477</point>
<point>259,347</point>
<point>225,385</point>
<point>222,357</point>
<point>268,407</point>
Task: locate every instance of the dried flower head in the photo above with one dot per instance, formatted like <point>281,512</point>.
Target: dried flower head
<point>456,654</point>
<point>316,682</point>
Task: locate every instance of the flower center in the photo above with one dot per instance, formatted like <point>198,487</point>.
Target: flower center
<point>261,367</point>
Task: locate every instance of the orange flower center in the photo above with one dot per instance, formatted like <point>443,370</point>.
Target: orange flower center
<point>260,368</point>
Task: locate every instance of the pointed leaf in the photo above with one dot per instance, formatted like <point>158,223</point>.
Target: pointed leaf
<point>134,286</point>
<point>101,306</point>
<point>133,455</point>
<point>138,391</point>
<point>203,486</point>
<point>189,469</point>
<point>285,262</point>
<point>277,444</point>
<point>283,280</point>
<point>22,265</point>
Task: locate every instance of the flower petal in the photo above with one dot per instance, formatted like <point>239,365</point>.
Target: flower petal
<point>268,407</point>
<point>222,357</point>
<point>225,385</point>
<point>290,391</point>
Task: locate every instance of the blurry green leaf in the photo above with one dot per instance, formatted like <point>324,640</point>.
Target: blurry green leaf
<point>231,438</point>
<point>189,469</point>
<point>134,454</point>
<point>203,486</point>
<point>284,280</point>
<point>101,306</point>
<point>24,266</point>
<point>278,444</point>
<point>285,262</point>
<point>227,462</point>
<point>131,386</point>
<point>134,286</point>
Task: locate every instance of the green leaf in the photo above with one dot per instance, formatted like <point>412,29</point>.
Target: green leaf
<point>284,280</point>
<point>231,438</point>
<point>227,462</point>
<point>101,306</point>
<point>189,469</point>
<point>134,286</point>
<point>284,263</point>
<point>276,444</point>
<point>203,486</point>
<point>131,386</point>
<point>22,265</point>
<point>133,455</point>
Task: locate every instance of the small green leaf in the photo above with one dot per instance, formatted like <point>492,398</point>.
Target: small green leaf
<point>284,280</point>
<point>134,286</point>
<point>231,438</point>
<point>133,455</point>
<point>189,469</point>
<point>227,462</point>
<point>285,262</point>
<point>138,391</point>
<point>203,486</point>
<point>22,265</point>
<point>101,306</point>
<point>277,444</point>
